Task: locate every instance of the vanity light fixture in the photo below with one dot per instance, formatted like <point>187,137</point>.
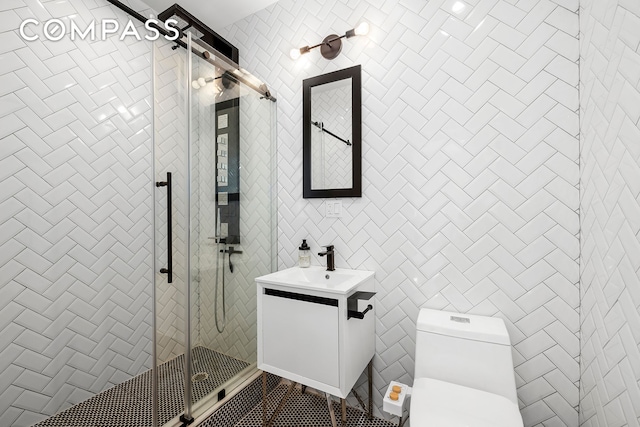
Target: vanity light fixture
<point>228,80</point>
<point>331,46</point>
<point>202,81</point>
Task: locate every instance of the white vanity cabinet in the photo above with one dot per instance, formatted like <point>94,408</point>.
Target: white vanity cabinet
<point>305,332</point>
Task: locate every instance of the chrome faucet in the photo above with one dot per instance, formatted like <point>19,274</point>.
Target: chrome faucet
<point>331,263</point>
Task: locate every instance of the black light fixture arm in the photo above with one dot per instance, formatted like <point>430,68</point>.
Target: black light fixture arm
<point>323,43</point>
<point>329,48</point>
<point>320,126</point>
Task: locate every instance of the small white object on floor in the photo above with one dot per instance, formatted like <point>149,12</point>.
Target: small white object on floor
<point>394,398</point>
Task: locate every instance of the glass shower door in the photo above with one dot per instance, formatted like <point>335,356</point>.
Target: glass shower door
<point>232,226</point>
<point>215,227</point>
<point>171,237</point>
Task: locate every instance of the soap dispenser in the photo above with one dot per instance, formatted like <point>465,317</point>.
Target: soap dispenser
<point>304,255</point>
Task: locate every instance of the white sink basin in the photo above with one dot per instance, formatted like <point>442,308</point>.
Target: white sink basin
<point>340,281</point>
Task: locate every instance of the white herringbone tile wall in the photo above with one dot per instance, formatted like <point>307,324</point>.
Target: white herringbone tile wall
<point>470,171</point>
<point>75,209</point>
<point>610,213</point>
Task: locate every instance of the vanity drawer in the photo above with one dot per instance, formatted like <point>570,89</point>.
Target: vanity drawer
<point>300,335</point>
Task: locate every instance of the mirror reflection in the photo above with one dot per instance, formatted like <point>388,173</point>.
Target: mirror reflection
<point>331,135</point>
<point>332,129</point>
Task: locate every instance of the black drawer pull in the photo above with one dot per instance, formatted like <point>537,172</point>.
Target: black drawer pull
<point>301,297</point>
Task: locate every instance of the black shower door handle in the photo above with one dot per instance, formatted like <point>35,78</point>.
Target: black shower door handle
<point>169,270</point>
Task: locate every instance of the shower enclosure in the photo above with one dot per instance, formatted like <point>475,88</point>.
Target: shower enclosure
<point>214,142</point>
<point>164,347</point>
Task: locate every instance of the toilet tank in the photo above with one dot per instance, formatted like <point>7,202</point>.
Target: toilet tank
<point>468,350</point>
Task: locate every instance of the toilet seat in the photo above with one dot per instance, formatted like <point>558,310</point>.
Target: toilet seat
<point>437,403</point>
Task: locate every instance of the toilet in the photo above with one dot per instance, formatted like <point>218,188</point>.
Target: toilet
<point>464,372</point>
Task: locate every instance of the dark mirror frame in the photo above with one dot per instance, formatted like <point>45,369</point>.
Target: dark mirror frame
<point>356,118</point>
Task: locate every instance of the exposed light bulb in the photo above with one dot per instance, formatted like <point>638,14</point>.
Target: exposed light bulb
<point>294,53</point>
<point>202,82</point>
<point>195,84</point>
<point>362,29</point>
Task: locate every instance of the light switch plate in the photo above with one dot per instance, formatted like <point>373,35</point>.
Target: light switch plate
<point>333,209</point>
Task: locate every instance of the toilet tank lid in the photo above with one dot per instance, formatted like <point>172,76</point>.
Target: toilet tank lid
<point>467,326</point>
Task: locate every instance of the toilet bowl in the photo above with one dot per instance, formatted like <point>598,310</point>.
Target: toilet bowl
<point>464,372</point>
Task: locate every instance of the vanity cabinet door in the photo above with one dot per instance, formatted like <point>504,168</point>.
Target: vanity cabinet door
<point>301,337</point>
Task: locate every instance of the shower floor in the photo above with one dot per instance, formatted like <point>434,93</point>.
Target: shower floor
<point>129,404</point>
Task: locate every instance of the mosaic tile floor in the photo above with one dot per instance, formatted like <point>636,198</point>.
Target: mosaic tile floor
<point>236,408</point>
<point>306,410</point>
<point>129,404</point>
<point>301,410</point>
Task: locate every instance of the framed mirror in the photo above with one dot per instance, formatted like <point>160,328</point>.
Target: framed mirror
<point>332,135</point>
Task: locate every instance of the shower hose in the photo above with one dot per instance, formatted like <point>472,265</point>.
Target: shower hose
<point>224,309</point>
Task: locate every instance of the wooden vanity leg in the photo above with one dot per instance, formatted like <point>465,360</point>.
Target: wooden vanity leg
<point>343,402</point>
<point>281,405</point>
<point>370,378</point>
<point>331,413</point>
<point>264,399</point>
